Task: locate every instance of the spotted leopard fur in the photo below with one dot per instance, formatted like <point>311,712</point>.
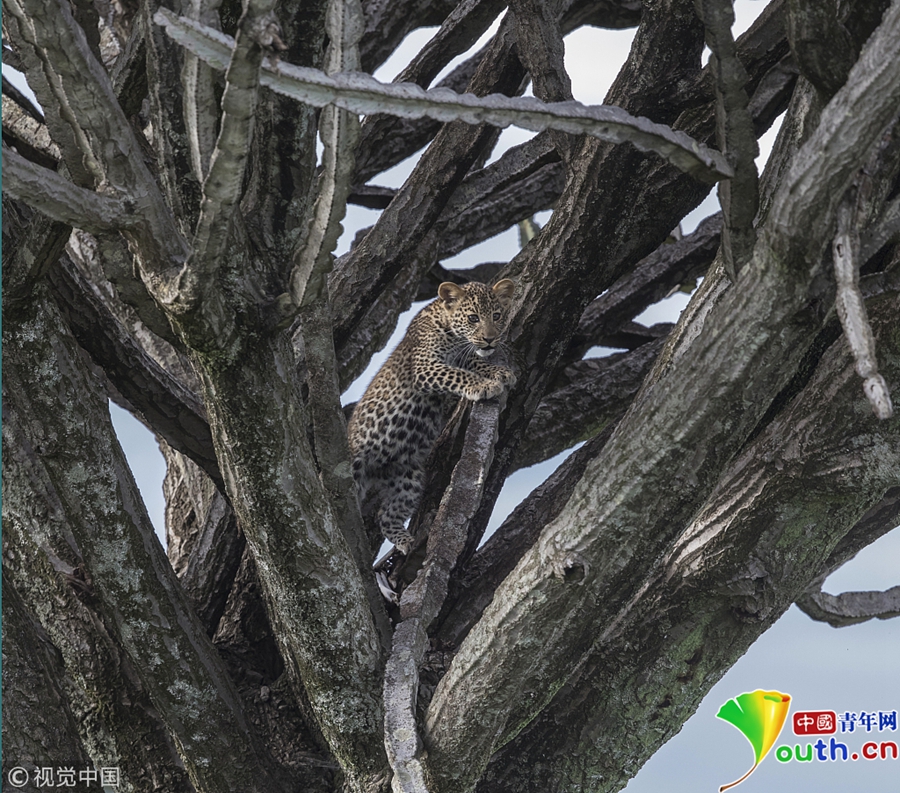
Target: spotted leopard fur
<point>441,358</point>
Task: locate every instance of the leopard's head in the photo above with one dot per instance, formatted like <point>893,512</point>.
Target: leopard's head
<point>477,312</point>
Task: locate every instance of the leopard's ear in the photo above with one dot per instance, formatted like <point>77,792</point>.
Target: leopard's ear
<point>504,290</point>
<point>450,293</point>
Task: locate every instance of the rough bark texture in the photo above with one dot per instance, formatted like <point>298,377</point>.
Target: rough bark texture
<point>167,244</point>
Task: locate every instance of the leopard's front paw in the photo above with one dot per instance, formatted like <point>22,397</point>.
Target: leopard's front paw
<point>508,376</point>
<point>402,540</point>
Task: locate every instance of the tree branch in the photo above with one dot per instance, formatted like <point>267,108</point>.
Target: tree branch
<point>131,578</point>
<point>738,196</point>
<point>596,394</point>
<point>821,171</point>
<point>422,600</point>
<point>540,47</point>
<point>851,608</point>
<point>753,547</point>
<point>884,230</point>
<point>166,404</point>
<point>198,281</point>
<point>339,129</point>
<point>61,200</point>
<point>823,47</point>
<point>851,308</point>
<point>653,278</point>
<point>363,94</point>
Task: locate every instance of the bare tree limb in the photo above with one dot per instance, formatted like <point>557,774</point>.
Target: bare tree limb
<point>202,538</point>
<point>738,196</point>
<point>851,308</point>
<point>422,600</point>
<point>339,129</point>
<point>540,47</point>
<point>104,514</point>
<point>653,278</point>
<point>172,409</point>
<point>332,450</point>
<point>459,31</point>
<point>21,126</point>
<point>95,677</point>
<point>61,200</point>
<point>39,724</point>
<point>727,577</point>
<point>851,608</point>
<point>870,76</point>
<point>200,105</point>
<point>363,94</point>
<point>596,394</point>
<point>884,230</point>
<point>222,187</point>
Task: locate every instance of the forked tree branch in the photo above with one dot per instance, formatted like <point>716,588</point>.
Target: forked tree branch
<point>198,281</point>
<point>339,130</point>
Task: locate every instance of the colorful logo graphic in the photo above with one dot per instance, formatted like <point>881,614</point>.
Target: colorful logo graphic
<point>759,715</point>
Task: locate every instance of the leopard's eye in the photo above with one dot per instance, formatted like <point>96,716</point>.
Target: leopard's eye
<point>496,315</point>
<point>473,319</point>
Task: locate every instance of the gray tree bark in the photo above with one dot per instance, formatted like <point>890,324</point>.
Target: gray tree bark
<point>168,244</point>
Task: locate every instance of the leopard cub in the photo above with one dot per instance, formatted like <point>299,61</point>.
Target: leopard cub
<point>441,358</point>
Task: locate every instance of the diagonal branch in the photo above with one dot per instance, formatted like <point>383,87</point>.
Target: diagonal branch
<point>102,514</point>
<point>851,608</point>
<point>823,47</point>
<point>884,230</point>
<point>741,561</point>
<point>422,600</point>
<point>540,46</point>
<point>61,200</point>
<point>197,79</point>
